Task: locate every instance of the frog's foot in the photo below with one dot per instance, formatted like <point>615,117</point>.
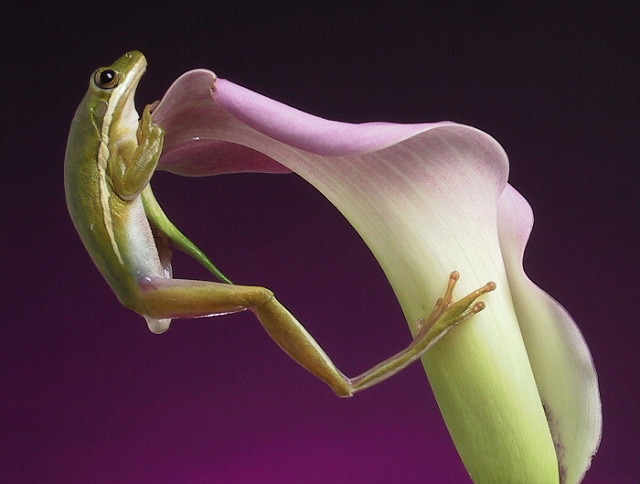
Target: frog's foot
<point>148,132</point>
<point>447,313</point>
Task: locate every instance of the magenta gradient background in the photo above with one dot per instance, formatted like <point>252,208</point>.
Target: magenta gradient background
<point>90,396</point>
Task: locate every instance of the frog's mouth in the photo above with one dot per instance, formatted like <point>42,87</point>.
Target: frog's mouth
<point>124,110</point>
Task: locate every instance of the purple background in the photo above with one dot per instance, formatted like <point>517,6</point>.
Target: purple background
<point>89,395</point>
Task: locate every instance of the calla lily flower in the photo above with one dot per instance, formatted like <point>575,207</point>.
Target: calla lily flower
<point>515,384</point>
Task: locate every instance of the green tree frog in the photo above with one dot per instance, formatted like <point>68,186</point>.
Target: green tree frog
<point>110,158</point>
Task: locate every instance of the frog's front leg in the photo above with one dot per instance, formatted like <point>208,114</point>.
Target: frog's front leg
<point>133,162</point>
<point>175,298</point>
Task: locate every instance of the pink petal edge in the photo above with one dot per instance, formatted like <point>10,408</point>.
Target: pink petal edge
<point>188,150</point>
<point>199,99</point>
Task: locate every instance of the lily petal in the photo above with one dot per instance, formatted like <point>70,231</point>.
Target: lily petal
<point>558,353</point>
<point>189,149</point>
<point>425,198</point>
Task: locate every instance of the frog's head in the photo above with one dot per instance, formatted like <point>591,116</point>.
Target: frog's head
<point>112,89</point>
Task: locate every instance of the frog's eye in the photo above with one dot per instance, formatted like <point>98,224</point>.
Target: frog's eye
<point>106,78</point>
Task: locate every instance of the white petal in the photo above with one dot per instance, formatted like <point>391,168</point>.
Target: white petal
<point>559,356</point>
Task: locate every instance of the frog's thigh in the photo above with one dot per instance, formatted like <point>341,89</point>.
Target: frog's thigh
<point>182,298</point>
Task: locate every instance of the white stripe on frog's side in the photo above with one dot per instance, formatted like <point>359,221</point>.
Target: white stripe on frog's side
<point>103,156</point>
<point>116,101</point>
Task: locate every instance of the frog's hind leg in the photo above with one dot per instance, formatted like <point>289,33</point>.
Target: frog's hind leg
<point>160,299</point>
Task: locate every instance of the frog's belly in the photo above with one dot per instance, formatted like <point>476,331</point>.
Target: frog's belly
<point>142,253</point>
<point>142,256</point>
